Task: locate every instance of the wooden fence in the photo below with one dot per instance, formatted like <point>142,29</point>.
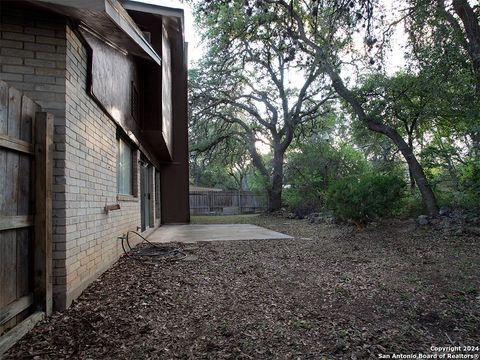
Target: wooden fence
<point>226,202</point>
<point>25,215</point>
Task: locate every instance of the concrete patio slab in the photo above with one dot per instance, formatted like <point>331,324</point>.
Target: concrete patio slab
<point>223,232</point>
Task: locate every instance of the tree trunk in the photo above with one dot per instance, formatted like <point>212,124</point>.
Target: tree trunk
<point>410,174</point>
<point>275,192</point>
<point>472,31</point>
<point>428,197</point>
<point>419,178</point>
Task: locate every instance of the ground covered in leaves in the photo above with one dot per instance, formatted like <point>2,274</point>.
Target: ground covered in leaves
<point>332,292</point>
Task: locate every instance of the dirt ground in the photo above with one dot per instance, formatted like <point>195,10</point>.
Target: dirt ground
<point>333,292</point>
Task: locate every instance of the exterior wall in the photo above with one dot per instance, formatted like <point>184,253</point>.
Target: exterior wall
<point>41,56</point>
<point>91,241</point>
<point>32,57</point>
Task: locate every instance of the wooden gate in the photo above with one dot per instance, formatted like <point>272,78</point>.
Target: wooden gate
<point>25,214</point>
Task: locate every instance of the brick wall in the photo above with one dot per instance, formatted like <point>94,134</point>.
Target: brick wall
<point>43,57</point>
<point>90,146</point>
<point>32,57</point>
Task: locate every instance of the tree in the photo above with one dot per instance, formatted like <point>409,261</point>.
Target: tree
<point>323,31</point>
<point>404,101</point>
<point>253,88</point>
<point>299,26</point>
<point>442,44</point>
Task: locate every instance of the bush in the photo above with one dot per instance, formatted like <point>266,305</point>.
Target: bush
<point>470,181</point>
<point>410,205</point>
<point>365,198</point>
<point>312,167</point>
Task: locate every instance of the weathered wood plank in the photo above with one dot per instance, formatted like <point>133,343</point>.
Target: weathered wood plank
<point>15,308</point>
<point>8,280</point>
<point>25,201</point>
<point>4,245</point>
<point>11,143</point>
<point>3,107</point>
<point>9,206</point>
<point>16,222</point>
<point>11,337</point>
<point>43,214</point>
<point>14,112</point>
<point>27,117</point>
<point>25,206</point>
<point>24,262</point>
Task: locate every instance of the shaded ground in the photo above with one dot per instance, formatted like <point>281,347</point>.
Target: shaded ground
<point>333,292</point>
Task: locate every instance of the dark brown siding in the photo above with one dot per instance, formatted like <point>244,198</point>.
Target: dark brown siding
<point>175,191</point>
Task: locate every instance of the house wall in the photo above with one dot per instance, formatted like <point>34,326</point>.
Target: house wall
<point>42,56</point>
<point>92,243</point>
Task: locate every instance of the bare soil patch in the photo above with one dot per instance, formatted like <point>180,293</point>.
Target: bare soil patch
<point>333,292</point>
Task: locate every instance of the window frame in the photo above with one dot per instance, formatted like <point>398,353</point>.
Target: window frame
<point>121,141</point>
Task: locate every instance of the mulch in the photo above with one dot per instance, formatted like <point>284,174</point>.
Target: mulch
<point>332,292</point>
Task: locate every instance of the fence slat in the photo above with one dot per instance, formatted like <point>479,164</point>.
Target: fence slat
<point>226,202</point>
<point>15,222</point>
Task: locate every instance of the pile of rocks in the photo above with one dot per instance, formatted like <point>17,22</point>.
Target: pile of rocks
<point>319,218</point>
<point>453,221</point>
<point>313,218</point>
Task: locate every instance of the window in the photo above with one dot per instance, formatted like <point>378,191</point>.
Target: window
<point>124,168</point>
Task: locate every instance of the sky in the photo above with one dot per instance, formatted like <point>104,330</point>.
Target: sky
<point>395,59</point>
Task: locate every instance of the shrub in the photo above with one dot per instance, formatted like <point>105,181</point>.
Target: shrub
<point>470,181</point>
<point>410,205</point>
<point>365,198</point>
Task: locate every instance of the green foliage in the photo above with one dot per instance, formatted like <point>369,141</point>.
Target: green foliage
<point>257,183</point>
<point>365,198</point>
<point>241,95</point>
<point>470,181</point>
<point>313,166</point>
<point>410,205</point>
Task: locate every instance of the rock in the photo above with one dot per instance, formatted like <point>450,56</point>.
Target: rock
<point>473,230</point>
<point>444,211</point>
<point>422,220</point>
<point>330,220</point>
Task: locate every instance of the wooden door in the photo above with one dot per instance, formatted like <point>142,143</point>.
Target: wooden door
<point>25,214</point>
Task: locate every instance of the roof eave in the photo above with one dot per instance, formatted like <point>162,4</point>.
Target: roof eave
<point>171,12</point>
<point>110,10</point>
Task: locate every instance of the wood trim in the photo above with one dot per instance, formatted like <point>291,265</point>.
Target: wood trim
<point>15,308</point>
<point>43,207</point>
<point>11,143</point>
<point>15,334</point>
<point>15,222</point>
